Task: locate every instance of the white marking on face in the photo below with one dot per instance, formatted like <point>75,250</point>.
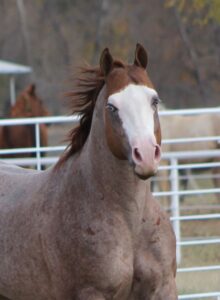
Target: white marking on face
<point>134,105</point>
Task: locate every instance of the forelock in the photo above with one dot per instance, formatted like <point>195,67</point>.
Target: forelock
<point>122,75</point>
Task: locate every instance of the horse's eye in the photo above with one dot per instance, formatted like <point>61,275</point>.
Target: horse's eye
<point>155,102</point>
<point>111,107</point>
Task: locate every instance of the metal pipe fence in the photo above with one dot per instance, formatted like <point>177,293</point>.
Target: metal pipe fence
<point>173,167</point>
<point>37,149</point>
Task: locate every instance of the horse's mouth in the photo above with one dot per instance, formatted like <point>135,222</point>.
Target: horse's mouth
<point>145,176</point>
<point>140,174</point>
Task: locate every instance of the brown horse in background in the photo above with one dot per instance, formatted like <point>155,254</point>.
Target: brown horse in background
<point>89,228</point>
<point>28,105</point>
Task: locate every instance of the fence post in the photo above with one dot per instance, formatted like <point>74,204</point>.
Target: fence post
<point>37,140</point>
<point>175,200</point>
<point>12,90</point>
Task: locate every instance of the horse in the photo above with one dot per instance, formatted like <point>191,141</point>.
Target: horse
<point>190,126</point>
<point>28,105</point>
<point>88,228</point>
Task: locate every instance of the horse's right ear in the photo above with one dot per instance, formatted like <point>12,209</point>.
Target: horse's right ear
<point>106,62</point>
<point>141,57</point>
<point>31,89</point>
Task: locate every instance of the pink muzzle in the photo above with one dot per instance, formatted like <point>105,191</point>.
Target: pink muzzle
<point>146,154</point>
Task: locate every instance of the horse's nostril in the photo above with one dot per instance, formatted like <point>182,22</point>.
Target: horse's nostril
<point>137,154</point>
<point>157,152</point>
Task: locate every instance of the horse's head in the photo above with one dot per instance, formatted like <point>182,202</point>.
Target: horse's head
<point>130,111</point>
<point>131,117</point>
<point>28,104</point>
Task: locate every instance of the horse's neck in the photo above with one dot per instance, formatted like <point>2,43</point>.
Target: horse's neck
<point>109,176</point>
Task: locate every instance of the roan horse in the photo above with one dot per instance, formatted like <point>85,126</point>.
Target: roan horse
<point>89,228</point>
<point>28,105</point>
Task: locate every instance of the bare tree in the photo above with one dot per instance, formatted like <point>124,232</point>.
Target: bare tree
<point>192,53</point>
<point>57,31</point>
<point>24,28</point>
<point>101,15</point>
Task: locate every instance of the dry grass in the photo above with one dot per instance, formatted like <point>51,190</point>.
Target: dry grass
<point>198,282</point>
<point>200,255</point>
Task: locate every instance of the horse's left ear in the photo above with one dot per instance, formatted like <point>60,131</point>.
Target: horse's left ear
<point>141,57</point>
<point>31,89</point>
<point>106,62</point>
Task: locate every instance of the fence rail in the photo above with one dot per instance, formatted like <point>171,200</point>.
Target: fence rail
<point>174,167</point>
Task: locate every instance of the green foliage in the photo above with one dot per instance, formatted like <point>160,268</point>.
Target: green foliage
<point>202,11</point>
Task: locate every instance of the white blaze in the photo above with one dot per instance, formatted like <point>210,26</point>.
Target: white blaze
<point>134,105</point>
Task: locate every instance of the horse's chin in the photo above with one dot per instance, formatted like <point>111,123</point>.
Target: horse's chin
<point>144,175</point>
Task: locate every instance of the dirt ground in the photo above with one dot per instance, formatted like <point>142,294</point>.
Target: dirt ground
<point>199,255</point>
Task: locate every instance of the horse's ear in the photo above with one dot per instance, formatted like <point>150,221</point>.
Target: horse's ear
<point>31,89</point>
<point>141,57</point>
<point>106,62</point>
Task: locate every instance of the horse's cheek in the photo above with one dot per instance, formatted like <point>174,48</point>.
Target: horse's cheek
<point>115,137</point>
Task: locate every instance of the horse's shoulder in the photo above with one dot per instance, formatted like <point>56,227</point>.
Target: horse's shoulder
<point>157,230</point>
<point>155,256</point>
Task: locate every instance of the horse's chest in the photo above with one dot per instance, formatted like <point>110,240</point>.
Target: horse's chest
<point>106,254</point>
<point>154,262</point>
<point>124,272</point>
<point>147,275</point>
<point>111,250</point>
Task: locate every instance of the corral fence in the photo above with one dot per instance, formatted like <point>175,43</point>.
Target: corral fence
<point>175,193</point>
